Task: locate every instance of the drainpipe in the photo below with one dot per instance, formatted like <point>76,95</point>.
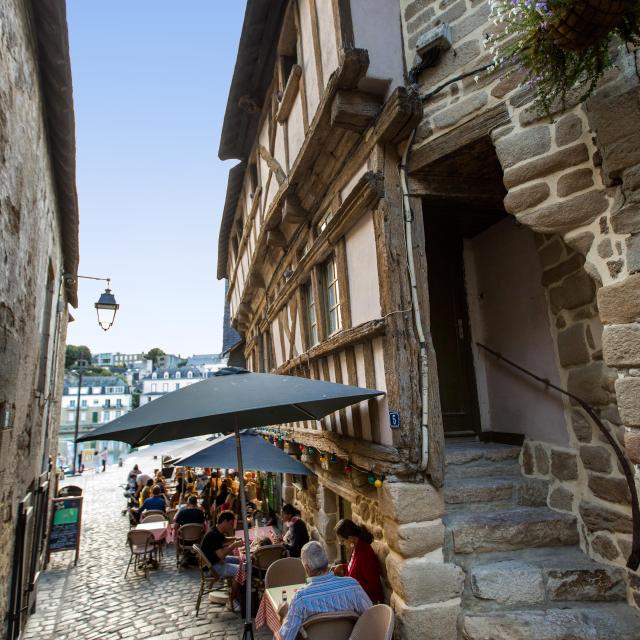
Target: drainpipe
<point>424,361</point>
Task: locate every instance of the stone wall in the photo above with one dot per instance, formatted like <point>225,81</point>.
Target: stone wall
<point>31,260</point>
<point>574,177</point>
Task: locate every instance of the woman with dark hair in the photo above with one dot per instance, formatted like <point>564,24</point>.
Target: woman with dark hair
<point>363,563</point>
<point>297,535</point>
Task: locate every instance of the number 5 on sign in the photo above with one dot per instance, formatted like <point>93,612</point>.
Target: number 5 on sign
<point>394,419</point>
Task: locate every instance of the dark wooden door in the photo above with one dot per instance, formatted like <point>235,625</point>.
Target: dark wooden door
<point>450,326</point>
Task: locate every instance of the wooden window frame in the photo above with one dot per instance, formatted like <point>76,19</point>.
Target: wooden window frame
<point>311,322</point>
<point>331,280</point>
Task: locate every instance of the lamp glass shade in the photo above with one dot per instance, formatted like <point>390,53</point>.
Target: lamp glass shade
<point>106,308</point>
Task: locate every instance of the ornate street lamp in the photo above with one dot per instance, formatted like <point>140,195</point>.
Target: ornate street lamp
<point>106,308</point>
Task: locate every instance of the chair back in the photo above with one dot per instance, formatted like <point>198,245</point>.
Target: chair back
<point>151,512</point>
<point>375,623</point>
<point>139,538</point>
<point>203,561</point>
<point>171,514</point>
<point>190,532</point>
<point>329,626</point>
<point>69,490</point>
<point>155,517</point>
<point>264,557</point>
<point>283,572</point>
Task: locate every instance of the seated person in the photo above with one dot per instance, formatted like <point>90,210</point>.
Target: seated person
<point>146,490</point>
<point>297,535</point>
<point>217,544</point>
<point>191,514</point>
<point>324,593</point>
<point>155,502</point>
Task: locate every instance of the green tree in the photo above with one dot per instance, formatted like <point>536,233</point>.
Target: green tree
<point>74,353</point>
<point>135,399</point>
<point>154,354</point>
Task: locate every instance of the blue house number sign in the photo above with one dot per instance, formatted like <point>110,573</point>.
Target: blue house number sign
<point>394,419</point>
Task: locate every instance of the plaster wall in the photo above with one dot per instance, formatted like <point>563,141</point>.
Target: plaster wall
<point>377,28</point>
<point>31,258</point>
<point>508,313</point>
<point>364,292</point>
<point>295,130</point>
<point>308,59</point>
<point>327,32</point>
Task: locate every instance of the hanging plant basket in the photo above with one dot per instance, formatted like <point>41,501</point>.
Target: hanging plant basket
<point>584,23</point>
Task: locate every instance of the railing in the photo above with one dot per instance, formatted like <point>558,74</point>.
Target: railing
<point>633,562</point>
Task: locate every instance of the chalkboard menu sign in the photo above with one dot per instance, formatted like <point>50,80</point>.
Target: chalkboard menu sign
<point>66,520</point>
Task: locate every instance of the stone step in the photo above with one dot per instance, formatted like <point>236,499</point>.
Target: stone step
<point>536,576</point>
<point>484,469</point>
<point>487,493</point>
<point>507,529</point>
<point>577,622</point>
<point>466,452</point>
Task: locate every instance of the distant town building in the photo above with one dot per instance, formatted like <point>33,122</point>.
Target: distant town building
<point>168,361</point>
<point>164,381</point>
<point>117,359</point>
<point>102,399</point>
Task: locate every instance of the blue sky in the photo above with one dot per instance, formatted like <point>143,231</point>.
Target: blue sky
<point>150,88</point>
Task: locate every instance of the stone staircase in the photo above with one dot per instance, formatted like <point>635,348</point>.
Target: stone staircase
<point>525,576</point>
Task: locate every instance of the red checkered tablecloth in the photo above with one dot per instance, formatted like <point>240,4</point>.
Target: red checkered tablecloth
<point>268,615</point>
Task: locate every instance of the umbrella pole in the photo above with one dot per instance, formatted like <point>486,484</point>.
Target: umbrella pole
<point>248,618</point>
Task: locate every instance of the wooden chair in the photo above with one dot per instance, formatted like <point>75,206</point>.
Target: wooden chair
<point>143,550</point>
<point>284,572</point>
<point>171,514</point>
<point>186,536</point>
<point>263,558</point>
<point>209,578</point>
<point>151,512</point>
<point>374,624</point>
<point>69,490</point>
<point>329,626</point>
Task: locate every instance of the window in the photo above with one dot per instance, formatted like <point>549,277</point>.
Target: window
<point>72,403</point>
<point>166,375</point>
<point>287,47</point>
<point>190,374</point>
<point>105,416</point>
<point>94,417</point>
<point>324,221</point>
<point>107,403</point>
<point>312,315</point>
<point>118,414</point>
<point>178,375</point>
<point>83,416</point>
<point>154,387</point>
<point>83,404</point>
<point>333,296</point>
<point>165,387</point>
<point>176,386</point>
<point>96,402</point>
<point>118,403</point>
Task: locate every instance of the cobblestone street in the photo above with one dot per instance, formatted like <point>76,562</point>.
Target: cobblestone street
<point>93,600</point>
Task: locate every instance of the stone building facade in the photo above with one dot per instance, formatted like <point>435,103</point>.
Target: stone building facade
<point>39,231</point>
<point>397,237</point>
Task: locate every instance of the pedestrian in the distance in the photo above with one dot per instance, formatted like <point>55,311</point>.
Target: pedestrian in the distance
<point>104,457</point>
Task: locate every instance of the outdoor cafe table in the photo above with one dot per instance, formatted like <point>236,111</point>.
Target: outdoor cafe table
<point>270,604</point>
<point>159,530</point>
<point>256,533</point>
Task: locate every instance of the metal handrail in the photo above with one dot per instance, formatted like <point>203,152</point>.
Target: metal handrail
<point>633,562</point>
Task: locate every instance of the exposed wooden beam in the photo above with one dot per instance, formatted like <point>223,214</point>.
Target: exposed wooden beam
<point>289,94</point>
<point>458,187</point>
<point>317,52</point>
<point>292,211</point>
<point>343,25</point>
<point>354,110</point>
<point>275,238</point>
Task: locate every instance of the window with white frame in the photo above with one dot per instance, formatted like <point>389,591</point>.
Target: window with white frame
<point>165,387</point>
<point>190,374</point>
<point>332,289</point>
<point>312,314</point>
<point>83,404</point>
<point>154,387</point>
<point>118,402</point>
<point>72,403</point>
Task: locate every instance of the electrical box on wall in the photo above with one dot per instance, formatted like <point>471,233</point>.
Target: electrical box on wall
<point>436,39</point>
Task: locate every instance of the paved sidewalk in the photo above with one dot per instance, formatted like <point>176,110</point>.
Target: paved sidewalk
<point>94,601</point>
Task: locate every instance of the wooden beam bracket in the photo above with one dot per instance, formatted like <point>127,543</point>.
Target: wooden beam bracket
<point>354,110</point>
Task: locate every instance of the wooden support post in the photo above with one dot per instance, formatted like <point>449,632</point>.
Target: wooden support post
<point>275,238</point>
<point>292,211</point>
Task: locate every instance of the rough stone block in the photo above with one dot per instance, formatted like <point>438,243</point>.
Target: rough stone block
<point>550,163</point>
<point>561,498</point>
<point>619,303</point>
<point>566,215</point>
<point>551,253</point>
<point>510,582</point>
<point>575,181</point>
<point>596,458</point>
<point>621,345</point>
<point>628,394</point>
<point>413,8</point>
<point>520,199</point>
<point>456,112</point>
<point>626,219</point>
<point>542,460</point>
<point>414,539</point>
<point>605,546</point>
<point>598,518</point>
<point>605,248</point>
<point>438,620</point>
<point>564,465</point>
<point>592,383</point>
<point>508,84</point>
<point>424,580</point>
<point>572,264</point>
<point>572,346</point>
<point>579,241</point>
<point>523,145</point>
<point>411,502</point>
<point>597,585</point>
<point>528,465</point>
<point>582,426</point>
<point>632,445</point>
<point>568,129</point>
<point>614,490</point>
<point>633,253</point>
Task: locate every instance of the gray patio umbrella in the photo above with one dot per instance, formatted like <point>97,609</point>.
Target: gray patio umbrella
<point>232,399</point>
<point>257,454</point>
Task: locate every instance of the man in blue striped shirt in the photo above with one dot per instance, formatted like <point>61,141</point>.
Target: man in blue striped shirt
<point>325,593</point>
